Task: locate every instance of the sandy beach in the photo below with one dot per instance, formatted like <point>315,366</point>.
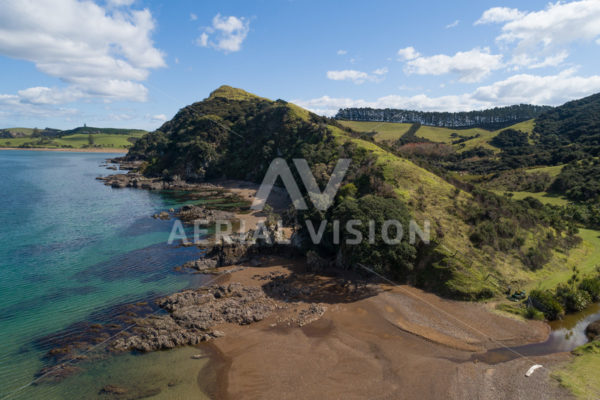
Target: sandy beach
<point>399,343</point>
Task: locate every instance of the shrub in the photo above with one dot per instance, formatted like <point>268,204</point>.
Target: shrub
<point>546,302</point>
<point>536,257</point>
<point>533,313</point>
<point>572,299</point>
<point>592,287</point>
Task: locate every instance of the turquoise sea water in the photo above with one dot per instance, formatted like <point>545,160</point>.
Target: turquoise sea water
<point>70,247</point>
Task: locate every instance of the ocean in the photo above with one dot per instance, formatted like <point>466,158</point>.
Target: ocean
<point>71,248</point>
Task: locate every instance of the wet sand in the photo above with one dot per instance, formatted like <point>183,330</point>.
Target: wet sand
<point>399,343</point>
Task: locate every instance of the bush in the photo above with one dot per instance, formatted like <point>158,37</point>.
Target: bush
<point>533,313</point>
<point>536,257</point>
<point>592,287</point>
<point>572,299</point>
<point>546,302</point>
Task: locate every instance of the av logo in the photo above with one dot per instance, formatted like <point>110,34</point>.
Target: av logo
<point>321,200</point>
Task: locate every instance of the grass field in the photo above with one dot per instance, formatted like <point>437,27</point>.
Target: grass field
<point>581,376</point>
<point>385,130</point>
<point>479,137</point>
<point>585,257</point>
<point>76,141</point>
<point>552,171</point>
<point>544,197</point>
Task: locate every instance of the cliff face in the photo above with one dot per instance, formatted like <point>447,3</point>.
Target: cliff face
<point>494,118</point>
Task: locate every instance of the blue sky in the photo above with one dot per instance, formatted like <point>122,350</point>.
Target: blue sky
<point>134,63</point>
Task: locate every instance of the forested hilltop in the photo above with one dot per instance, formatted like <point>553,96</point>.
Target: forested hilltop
<point>481,242</point>
<point>493,118</point>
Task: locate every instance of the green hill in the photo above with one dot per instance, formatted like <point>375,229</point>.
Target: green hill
<point>460,139</point>
<point>482,243</point>
<point>77,138</point>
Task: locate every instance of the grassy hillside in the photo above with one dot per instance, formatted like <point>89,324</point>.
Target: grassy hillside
<point>76,141</point>
<point>580,375</point>
<point>471,138</point>
<point>384,130</point>
<point>235,134</point>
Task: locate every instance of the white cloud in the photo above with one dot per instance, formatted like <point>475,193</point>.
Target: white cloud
<point>107,61</point>
<point>225,34</point>
<point>471,66</point>
<point>159,117</point>
<point>348,75</point>
<point>381,71</point>
<point>522,88</point>
<point>193,17</point>
<point>12,106</point>
<point>499,14</point>
<point>357,77</point>
<point>342,52</point>
<point>120,3</point>
<point>202,40</point>
<point>539,37</point>
<point>45,95</point>
<point>453,24</point>
<point>408,53</point>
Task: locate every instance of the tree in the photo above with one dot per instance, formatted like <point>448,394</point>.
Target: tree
<point>90,139</point>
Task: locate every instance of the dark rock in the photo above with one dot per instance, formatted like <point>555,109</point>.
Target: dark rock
<point>192,314</point>
<point>56,373</point>
<point>113,389</point>
<point>191,213</point>
<point>593,330</point>
<point>162,215</point>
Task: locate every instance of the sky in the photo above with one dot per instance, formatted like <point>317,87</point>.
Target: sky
<point>135,63</point>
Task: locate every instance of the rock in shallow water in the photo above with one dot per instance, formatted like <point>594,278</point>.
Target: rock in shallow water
<point>593,330</point>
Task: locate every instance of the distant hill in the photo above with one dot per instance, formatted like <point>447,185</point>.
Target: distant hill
<point>107,131</point>
<point>77,138</point>
<point>50,132</point>
<point>494,118</point>
<point>577,121</point>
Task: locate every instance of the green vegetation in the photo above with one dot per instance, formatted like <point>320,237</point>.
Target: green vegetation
<point>461,139</point>
<point>580,376</point>
<point>509,138</point>
<point>76,141</point>
<point>495,118</point>
<point>383,130</point>
<point>481,243</point>
<point>579,180</point>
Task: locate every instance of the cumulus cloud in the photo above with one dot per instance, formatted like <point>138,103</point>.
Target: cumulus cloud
<point>159,117</point>
<point>453,24</point>
<point>342,52</point>
<point>499,14</point>
<point>408,53</point>
<point>226,34</point>
<point>357,77</point>
<point>470,66</point>
<point>521,88</point>
<point>108,60</point>
<point>193,17</point>
<point>540,37</point>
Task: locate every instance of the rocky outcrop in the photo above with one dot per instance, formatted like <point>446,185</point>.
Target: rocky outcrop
<point>240,249</point>
<point>190,213</point>
<point>193,314</point>
<point>593,331</point>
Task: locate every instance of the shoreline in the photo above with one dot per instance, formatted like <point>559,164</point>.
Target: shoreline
<point>327,334</point>
<point>101,150</point>
<point>387,344</point>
